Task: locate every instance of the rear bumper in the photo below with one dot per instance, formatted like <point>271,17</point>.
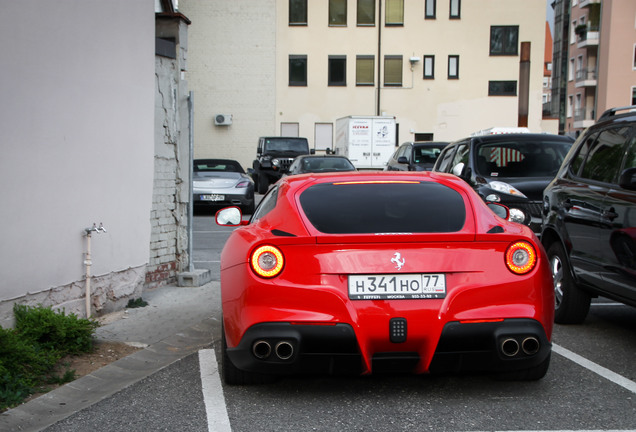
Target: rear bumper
<point>285,348</point>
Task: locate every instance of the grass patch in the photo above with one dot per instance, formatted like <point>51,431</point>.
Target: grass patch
<point>136,303</point>
<point>30,351</point>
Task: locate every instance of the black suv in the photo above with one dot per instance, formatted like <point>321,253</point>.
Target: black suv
<point>274,155</point>
<point>589,218</point>
<point>511,169</point>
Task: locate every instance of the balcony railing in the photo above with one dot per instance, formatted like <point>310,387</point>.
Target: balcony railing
<point>585,75</point>
<point>581,114</point>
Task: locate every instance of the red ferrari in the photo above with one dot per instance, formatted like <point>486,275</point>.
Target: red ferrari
<point>367,272</point>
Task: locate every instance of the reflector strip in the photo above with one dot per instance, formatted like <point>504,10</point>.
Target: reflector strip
<point>479,321</point>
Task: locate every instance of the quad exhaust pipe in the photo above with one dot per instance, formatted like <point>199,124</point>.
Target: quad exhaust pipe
<point>510,347</point>
<point>262,349</point>
<point>530,345</point>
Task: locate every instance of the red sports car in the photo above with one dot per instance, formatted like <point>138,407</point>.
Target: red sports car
<point>368,272</point>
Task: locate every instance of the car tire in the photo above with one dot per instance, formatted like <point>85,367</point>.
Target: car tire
<point>571,303</point>
<point>262,184</point>
<point>235,376</point>
<point>531,374</point>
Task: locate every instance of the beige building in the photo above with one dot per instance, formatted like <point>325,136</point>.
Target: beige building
<point>601,60</point>
<point>442,68</point>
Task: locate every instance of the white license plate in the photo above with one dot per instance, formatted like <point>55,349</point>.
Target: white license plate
<point>212,197</point>
<point>397,286</point>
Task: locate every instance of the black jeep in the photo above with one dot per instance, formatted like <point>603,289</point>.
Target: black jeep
<point>273,158</point>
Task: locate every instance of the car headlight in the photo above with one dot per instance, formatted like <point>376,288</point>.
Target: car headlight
<point>503,187</point>
<point>275,162</point>
<point>517,215</point>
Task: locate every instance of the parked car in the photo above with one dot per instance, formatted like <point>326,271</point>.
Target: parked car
<point>589,218</point>
<point>274,155</point>
<point>221,182</point>
<point>511,168</point>
<point>366,272</point>
<point>415,156</point>
<point>320,163</point>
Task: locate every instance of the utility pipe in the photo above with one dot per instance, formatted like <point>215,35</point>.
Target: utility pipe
<point>88,262</point>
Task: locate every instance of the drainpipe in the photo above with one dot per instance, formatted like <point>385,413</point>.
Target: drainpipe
<point>524,85</point>
<point>377,110</point>
<point>88,262</point>
<point>190,163</point>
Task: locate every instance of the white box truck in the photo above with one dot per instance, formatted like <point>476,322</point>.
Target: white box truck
<point>368,141</point>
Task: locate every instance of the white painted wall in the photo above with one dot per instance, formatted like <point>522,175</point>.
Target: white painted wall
<point>77,120</point>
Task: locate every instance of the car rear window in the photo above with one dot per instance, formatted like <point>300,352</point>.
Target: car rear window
<point>521,158</point>
<point>392,207</point>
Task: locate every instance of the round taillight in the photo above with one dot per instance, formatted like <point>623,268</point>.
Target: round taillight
<point>267,261</point>
<point>521,257</point>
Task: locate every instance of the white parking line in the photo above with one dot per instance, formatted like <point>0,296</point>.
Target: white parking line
<point>213,398</point>
<point>597,369</point>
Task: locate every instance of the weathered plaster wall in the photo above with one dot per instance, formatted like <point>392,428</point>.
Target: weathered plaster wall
<point>169,217</point>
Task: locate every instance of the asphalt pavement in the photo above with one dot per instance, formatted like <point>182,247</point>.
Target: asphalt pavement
<point>177,321</point>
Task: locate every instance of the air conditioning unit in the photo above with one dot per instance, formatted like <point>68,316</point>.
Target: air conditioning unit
<point>223,119</point>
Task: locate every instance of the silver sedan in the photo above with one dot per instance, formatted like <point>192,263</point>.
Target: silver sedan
<point>221,183</point>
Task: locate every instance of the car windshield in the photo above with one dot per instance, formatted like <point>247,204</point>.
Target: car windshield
<point>387,207</point>
<point>520,158</point>
<point>217,165</point>
<point>286,144</point>
<point>324,164</point>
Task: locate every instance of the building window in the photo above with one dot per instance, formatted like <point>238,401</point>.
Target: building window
<point>393,71</point>
<point>429,9</point>
<point>455,9</point>
<point>504,40</point>
<point>366,12</point>
<point>502,88</point>
<point>634,67</point>
<point>297,70</point>
<point>633,95</point>
<point>571,70</point>
<point>570,105</point>
<point>337,12</point>
<point>337,70</point>
<point>453,67</point>
<point>394,15</point>
<point>297,12</point>
<point>364,70</point>
<point>429,66</point>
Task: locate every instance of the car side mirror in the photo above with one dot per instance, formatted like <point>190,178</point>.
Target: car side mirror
<point>403,160</point>
<point>312,151</point>
<point>229,216</point>
<point>627,179</point>
<point>499,209</point>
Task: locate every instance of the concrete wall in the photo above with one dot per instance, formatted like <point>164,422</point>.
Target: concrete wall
<point>231,70</point>
<point>77,94</point>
